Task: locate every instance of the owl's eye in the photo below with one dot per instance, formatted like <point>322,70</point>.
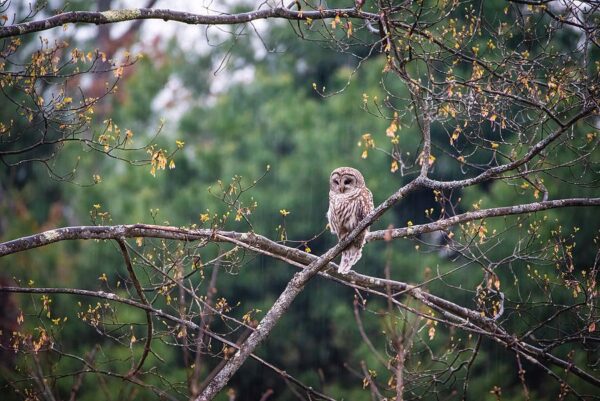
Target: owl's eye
<point>336,182</point>
<point>347,181</point>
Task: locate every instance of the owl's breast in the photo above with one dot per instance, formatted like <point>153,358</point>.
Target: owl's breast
<point>344,212</point>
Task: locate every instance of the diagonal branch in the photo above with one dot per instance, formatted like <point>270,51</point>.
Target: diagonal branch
<point>293,288</point>
<point>495,172</point>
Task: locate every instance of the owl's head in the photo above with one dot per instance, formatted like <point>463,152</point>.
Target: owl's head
<point>345,179</point>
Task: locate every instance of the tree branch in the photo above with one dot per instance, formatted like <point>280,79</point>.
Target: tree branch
<point>481,214</point>
<point>114,16</point>
<point>258,242</point>
<point>533,151</point>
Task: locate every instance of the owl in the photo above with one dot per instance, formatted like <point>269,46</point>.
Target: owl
<point>349,202</point>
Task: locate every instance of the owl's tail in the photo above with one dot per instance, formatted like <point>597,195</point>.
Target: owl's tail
<point>350,256</point>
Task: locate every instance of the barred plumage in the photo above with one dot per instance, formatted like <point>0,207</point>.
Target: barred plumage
<point>349,202</point>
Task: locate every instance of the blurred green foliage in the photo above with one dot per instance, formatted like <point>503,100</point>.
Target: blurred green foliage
<point>277,119</point>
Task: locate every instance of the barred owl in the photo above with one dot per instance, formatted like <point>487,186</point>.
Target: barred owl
<point>349,202</point>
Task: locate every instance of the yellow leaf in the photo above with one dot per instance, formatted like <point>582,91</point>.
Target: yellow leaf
<point>455,135</point>
<point>494,145</point>
<point>335,21</point>
<point>391,130</point>
<point>431,332</point>
<point>118,72</point>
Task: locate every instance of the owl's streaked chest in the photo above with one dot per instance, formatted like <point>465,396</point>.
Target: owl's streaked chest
<point>343,211</point>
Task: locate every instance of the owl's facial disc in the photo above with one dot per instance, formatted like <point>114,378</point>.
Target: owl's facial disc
<point>342,183</point>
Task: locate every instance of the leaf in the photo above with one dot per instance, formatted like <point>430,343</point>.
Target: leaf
<point>431,333</point>
<point>335,22</point>
<point>118,72</point>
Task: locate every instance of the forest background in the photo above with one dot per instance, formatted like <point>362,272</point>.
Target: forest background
<point>261,109</point>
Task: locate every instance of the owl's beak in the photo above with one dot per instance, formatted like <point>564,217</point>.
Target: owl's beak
<point>342,188</point>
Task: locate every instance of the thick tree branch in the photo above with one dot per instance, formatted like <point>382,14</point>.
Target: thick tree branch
<point>258,242</point>
<point>114,16</point>
<point>481,214</point>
